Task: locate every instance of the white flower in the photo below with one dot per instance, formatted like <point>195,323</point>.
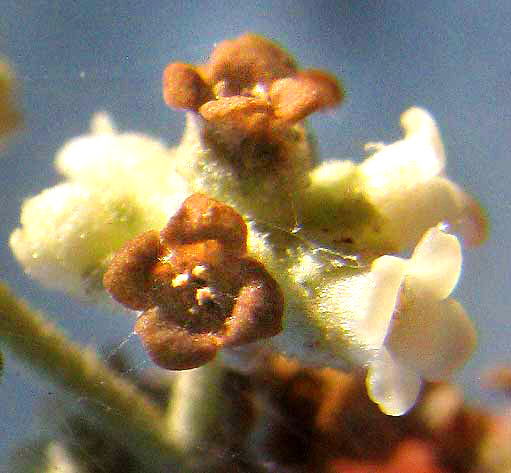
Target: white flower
<point>386,203</point>
<point>425,334</point>
<point>118,185</point>
<point>406,182</point>
<point>393,318</point>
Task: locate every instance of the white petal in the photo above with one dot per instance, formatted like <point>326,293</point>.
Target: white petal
<point>416,158</point>
<point>417,122</point>
<point>435,264</point>
<point>432,337</point>
<point>386,278</point>
<point>361,306</point>
<point>405,182</point>
<point>392,386</point>
<point>409,212</point>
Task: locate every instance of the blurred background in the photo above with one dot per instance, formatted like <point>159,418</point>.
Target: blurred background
<point>73,58</point>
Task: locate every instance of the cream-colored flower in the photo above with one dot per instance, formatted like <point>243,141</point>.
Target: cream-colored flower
<point>427,335</point>
<point>393,317</point>
<point>406,182</point>
<point>386,203</point>
<point>117,186</point>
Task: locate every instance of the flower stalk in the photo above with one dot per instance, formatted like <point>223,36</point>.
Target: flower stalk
<point>10,117</point>
<point>195,410</point>
<point>32,338</point>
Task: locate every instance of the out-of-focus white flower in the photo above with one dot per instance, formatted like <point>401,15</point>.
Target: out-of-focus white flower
<point>118,186</point>
<point>124,163</point>
<point>425,334</point>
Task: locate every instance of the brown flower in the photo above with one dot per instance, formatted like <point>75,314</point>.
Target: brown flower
<point>250,85</point>
<point>198,289</point>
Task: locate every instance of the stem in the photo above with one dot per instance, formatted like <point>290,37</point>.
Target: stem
<point>134,417</point>
<point>195,408</point>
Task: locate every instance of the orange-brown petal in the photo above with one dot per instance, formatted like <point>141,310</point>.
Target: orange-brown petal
<point>203,218</point>
<point>183,87</point>
<point>247,60</point>
<point>245,115</point>
<point>259,306</point>
<point>127,276</point>
<point>172,347</point>
<point>293,98</point>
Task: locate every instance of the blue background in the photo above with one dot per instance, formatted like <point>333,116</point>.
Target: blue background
<point>74,58</point>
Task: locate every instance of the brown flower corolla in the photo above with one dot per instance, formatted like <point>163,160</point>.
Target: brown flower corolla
<point>250,85</point>
<point>197,289</point>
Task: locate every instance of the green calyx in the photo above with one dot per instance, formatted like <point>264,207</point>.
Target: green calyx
<point>334,209</point>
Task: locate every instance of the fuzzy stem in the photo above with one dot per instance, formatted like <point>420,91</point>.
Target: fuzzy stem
<point>45,347</point>
<point>194,410</point>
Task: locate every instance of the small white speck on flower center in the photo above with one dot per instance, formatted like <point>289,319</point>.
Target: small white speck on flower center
<point>180,280</point>
<point>203,295</point>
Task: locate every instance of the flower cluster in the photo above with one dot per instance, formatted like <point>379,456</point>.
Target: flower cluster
<point>262,243</point>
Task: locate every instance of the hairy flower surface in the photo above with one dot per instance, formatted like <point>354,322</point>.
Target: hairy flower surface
<point>197,288</point>
<point>250,100</point>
